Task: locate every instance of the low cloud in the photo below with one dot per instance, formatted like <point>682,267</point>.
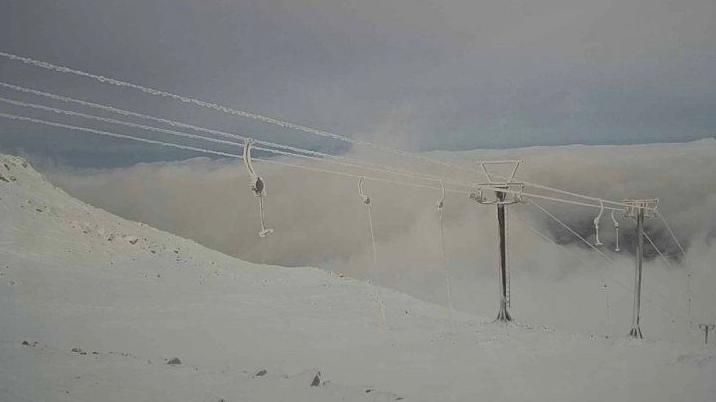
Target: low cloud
<point>319,220</point>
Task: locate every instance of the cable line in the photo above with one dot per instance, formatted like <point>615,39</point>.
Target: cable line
<point>194,136</point>
<point>627,288</point>
<point>259,117</point>
<point>217,107</point>
<point>219,153</point>
<point>606,257</point>
<point>124,112</point>
<point>584,262</point>
<point>334,172</point>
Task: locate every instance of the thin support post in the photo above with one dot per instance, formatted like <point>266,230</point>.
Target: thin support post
<point>635,329</point>
<point>503,315</point>
<point>706,328</point>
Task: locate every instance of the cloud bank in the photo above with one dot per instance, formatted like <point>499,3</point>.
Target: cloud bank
<point>320,220</point>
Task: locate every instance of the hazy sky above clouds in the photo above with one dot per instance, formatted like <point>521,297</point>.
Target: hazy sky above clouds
<point>419,75</point>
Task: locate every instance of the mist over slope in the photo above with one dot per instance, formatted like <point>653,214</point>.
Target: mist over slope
<point>99,308</point>
<point>320,221</point>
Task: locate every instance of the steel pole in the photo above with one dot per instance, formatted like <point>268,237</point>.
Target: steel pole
<point>635,329</point>
<point>503,315</point>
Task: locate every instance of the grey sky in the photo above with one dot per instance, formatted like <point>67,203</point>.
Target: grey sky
<point>420,75</point>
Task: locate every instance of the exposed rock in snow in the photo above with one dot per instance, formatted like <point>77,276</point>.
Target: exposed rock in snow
<point>260,333</point>
<point>316,380</point>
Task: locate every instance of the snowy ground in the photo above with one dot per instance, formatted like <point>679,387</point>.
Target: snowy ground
<point>94,307</point>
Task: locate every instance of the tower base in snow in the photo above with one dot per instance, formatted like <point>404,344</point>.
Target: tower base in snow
<point>636,333</point>
<point>503,315</point>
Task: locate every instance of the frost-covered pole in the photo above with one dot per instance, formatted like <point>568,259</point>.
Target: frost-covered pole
<point>635,329</point>
<point>507,191</point>
<point>639,210</point>
<point>503,314</point>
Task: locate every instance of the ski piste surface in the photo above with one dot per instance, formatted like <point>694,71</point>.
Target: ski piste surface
<point>95,307</point>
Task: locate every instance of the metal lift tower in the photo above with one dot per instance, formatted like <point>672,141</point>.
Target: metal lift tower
<point>639,209</point>
<point>507,191</point>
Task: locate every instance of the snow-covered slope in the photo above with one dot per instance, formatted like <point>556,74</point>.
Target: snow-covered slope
<point>95,308</point>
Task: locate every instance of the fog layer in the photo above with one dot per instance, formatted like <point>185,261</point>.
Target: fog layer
<point>319,220</point>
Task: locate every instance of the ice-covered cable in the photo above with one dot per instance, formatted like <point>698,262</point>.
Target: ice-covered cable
<point>662,308</point>
<point>230,155</point>
<point>115,135</point>
<point>194,136</point>
<point>174,132</point>
<point>255,116</point>
<point>114,121</point>
<point>584,262</point>
<point>219,153</point>
<point>546,212</point>
<point>671,232</point>
<point>658,251</point>
<point>204,150</point>
<point>576,195</point>
<point>619,205</point>
<point>217,107</point>
<point>298,152</point>
<point>124,112</point>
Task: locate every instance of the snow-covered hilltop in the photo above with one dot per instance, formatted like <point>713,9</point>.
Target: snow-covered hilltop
<point>97,308</point>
